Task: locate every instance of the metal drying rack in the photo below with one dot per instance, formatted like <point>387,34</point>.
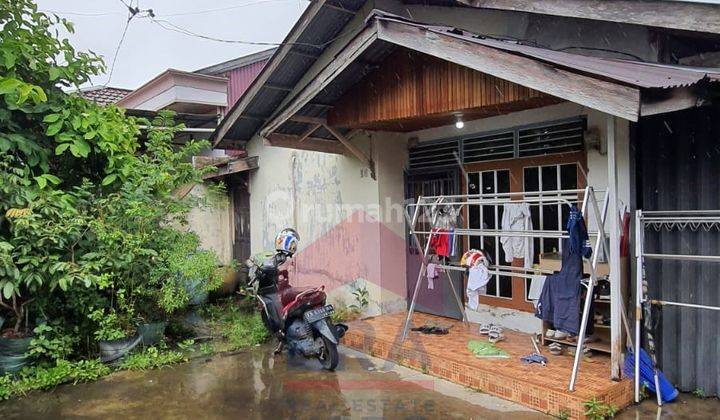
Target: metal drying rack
<point>680,220</point>
<point>539,198</point>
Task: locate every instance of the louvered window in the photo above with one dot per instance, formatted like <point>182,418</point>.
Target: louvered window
<point>434,154</point>
<point>491,147</point>
<point>536,140</point>
<point>547,139</point>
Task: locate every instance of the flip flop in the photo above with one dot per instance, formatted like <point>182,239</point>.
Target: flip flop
<point>494,336</point>
<point>485,329</point>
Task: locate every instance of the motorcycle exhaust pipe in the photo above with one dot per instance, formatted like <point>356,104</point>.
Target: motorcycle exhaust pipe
<point>340,330</point>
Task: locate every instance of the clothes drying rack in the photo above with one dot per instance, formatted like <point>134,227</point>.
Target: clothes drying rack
<point>425,204</point>
<point>676,220</point>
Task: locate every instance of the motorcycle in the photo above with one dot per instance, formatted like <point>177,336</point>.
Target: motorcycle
<point>297,316</point>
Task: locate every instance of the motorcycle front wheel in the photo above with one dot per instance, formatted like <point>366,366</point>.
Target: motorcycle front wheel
<point>329,357</point>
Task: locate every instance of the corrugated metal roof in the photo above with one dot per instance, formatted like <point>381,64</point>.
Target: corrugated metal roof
<point>328,23</point>
<point>635,73</point>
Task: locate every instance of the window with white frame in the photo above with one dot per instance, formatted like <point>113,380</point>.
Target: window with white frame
<point>549,180</point>
<point>490,217</point>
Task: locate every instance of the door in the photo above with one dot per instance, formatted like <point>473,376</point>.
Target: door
<point>438,300</point>
<point>241,218</point>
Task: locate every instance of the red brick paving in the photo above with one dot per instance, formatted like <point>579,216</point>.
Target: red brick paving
<point>447,356</point>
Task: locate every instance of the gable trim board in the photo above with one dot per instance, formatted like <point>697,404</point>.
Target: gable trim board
<point>615,87</point>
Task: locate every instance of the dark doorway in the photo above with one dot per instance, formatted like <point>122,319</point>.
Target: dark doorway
<point>240,196</point>
<point>439,300</point>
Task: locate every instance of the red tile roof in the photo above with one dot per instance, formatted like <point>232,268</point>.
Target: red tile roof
<point>103,95</point>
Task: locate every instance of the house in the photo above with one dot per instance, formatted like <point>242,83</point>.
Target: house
<point>368,105</point>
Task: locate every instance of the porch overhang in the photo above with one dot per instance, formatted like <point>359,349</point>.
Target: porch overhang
<point>619,88</point>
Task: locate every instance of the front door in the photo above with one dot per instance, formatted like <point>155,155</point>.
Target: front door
<point>436,299</point>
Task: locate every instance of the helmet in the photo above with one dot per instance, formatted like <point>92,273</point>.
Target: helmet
<point>287,241</point>
<point>474,258</point>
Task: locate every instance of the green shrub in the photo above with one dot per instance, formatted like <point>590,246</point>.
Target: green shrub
<point>151,358</point>
<point>40,377</point>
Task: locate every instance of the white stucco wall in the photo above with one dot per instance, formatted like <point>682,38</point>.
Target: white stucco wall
<point>338,210</point>
<point>213,223</point>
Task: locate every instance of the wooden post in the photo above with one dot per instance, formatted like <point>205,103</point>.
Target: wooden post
<point>614,226</point>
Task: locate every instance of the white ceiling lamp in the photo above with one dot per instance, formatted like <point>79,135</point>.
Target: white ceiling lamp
<point>459,124</point>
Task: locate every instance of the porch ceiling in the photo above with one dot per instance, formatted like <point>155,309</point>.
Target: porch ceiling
<point>621,88</point>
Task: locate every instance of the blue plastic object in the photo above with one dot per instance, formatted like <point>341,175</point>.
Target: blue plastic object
<point>647,375</point>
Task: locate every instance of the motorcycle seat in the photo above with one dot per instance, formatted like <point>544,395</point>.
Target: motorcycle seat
<point>288,295</point>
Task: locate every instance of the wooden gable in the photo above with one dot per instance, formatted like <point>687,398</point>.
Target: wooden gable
<point>411,91</point>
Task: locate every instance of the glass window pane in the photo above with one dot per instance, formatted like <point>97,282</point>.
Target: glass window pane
<point>549,178</point>
<point>505,287</point>
<point>473,183</point>
<point>491,287</point>
<point>503,181</point>
<point>488,182</point>
<point>531,179</point>
<point>568,176</point>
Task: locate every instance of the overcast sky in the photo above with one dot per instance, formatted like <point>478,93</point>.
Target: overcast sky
<point>149,49</point>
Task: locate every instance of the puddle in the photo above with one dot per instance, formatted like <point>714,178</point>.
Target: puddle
<point>685,407</point>
<point>256,385</point>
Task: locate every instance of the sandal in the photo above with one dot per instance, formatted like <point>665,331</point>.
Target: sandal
<point>550,333</point>
<point>494,336</point>
<point>485,329</point>
<point>556,349</point>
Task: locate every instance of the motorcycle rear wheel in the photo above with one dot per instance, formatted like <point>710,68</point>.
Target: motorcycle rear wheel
<point>329,357</point>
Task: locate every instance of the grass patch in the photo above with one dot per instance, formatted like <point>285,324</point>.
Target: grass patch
<point>152,358</point>
<point>233,328</point>
<point>47,377</point>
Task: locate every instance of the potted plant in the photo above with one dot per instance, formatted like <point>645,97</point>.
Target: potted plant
<point>114,334</point>
<point>15,339</point>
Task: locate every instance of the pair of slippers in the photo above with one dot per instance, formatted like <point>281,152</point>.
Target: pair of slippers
<point>494,332</point>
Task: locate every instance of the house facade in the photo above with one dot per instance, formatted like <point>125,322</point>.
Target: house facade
<point>369,105</point>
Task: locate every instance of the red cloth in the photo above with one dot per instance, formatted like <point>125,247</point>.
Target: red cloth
<point>440,242</point>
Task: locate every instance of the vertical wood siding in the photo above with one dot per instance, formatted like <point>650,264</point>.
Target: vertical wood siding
<point>410,84</point>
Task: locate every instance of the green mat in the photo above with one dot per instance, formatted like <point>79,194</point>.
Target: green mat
<point>485,349</point>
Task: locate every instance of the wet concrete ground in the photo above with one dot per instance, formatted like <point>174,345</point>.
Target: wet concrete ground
<point>257,385</point>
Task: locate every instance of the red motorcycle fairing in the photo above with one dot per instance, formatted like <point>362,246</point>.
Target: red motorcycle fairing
<point>296,297</point>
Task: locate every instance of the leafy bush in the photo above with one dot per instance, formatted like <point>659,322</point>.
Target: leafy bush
<point>51,342</point>
<point>92,232</point>
<point>238,329</point>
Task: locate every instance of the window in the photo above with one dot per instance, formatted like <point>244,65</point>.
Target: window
<point>549,179</point>
<point>490,217</point>
<point>519,142</point>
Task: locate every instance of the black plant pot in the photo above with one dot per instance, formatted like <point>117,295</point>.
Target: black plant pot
<point>111,350</point>
<point>152,333</point>
<point>13,354</point>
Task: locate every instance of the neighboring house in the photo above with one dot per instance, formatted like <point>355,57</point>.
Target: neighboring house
<point>103,95</point>
<point>368,104</point>
<point>200,99</point>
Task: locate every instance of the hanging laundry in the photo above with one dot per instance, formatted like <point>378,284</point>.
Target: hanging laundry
<point>559,301</point>
<point>432,272</point>
<point>516,217</point>
<point>440,241</point>
<point>445,216</point>
<point>536,287</point>
<point>478,278</point>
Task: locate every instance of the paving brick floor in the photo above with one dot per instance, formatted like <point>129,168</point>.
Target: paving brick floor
<point>447,356</point>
